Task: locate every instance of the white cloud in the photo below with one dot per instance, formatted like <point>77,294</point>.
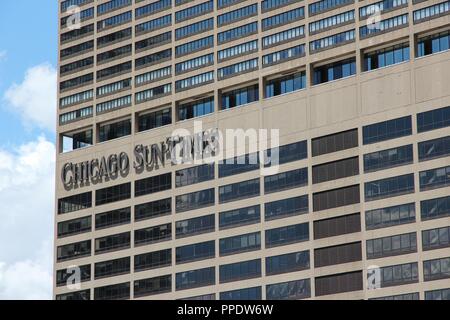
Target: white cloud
<point>26,212</point>
<point>35,98</point>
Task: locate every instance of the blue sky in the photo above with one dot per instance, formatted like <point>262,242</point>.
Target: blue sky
<point>28,53</point>
<point>28,37</point>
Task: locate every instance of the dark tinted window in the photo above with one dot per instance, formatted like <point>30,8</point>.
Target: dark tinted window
<point>434,148</point>
<point>195,252</point>
<point>335,170</point>
<point>240,271</point>
<point>344,253</point>
<point>392,245</point>
<point>287,153</point>
<point>293,290</point>
<point>389,187</point>
<point>336,198</point>
<point>434,119</point>
<point>239,217</point>
<point>387,130</point>
<point>388,158</point>
<point>335,142</point>
<point>287,235</point>
<point>114,292</point>
<point>290,262</point>
<point>286,207</point>
<point>338,283</point>
<point>194,175</point>
<point>242,294</point>
<point>435,208</point>
<point>152,286</point>
<point>386,217</point>
<point>195,200</point>
<point>153,209</point>
<point>195,226</point>
<point>74,226</point>
<point>113,242</point>
<point>112,218</point>
<point>241,243</point>
<point>195,278</point>
<point>113,194</point>
<point>152,260</point>
<point>434,178</point>
<point>153,234</point>
<point>75,203</point>
<point>238,191</point>
<point>112,267</point>
<point>337,226</point>
<point>153,184</point>
<point>238,165</point>
<point>286,180</point>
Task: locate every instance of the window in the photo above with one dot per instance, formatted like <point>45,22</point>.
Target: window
<point>153,76</point>
<point>114,242</point>
<point>239,97</point>
<point>433,44</point>
<point>436,269</point>
<point>336,198</point>
<point>334,255</point>
<point>241,243</point>
<point>78,295</point>
<point>75,226</point>
<point>238,50</point>
<point>153,93</point>
<point>435,208</point>
<point>76,82</point>
<point>195,226</point>
<point>155,119</point>
<point>112,218</point>
<point>434,178</point>
<point>337,226</point>
<point>196,252</point>
<point>195,63</point>
<point>237,15</point>
<point>75,115</point>
<point>76,98</point>
<point>75,203</point>
<point>112,268</point>
<point>194,46</point>
<point>436,238</point>
<point>293,290</point>
<point>242,294</point>
<point>74,250</point>
<point>332,21</point>
<point>399,274</point>
<point>441,294</point>
<point>153,184</point>
<point>286,207</point>
<point>205,297</point>
<point>68,3</point>
<point>332,41</point>
<point>287,235</point>
<point>114,130</point>
<point>388,158</point>
<point>283,36</point>
<point>286,84</point>
<point>286,180</point>
<point>153,209</point>
<point>78,140</point>
<point>434,119</point>
<point>223,3</point>
<point>386,57</point>
<point>62,276</point>
<point>283,18</point>
<point>287,153</point>
<point>434,148</point>
<point>335,142</point>
<point>153,260</point>
<point>195,278</point>
<point>194,11</point>
<point>339,283</point>
<point>195,200</point>
<point>237,33</point>
<point>240,271</point>
<point>153,59</point>
<point>113,104</point>
<point>389,187</point>
<point>152,286</point>
<point>285,263</point>
<point>391,246</point>
<point>267,5</point>
<point>237,69</point>
<point>114,87</point>
<point>336,170</point>
<point>239,217</point>
<point>381,6</point>
<point>325,5</point>
<point>154,24</point>
<point>113,194</point>
<point>153,42</point>
<point>112,55</point>
<point>284,55</point>
<point>195,109</point>
<point>112,5</point>
<point>390,216</point>
<point>239,191</point>
<point>399,297</point>
<point>195,81</point>
<point>114,37</point>
<point>153,234</point>
<point>334,71</point>
<point>238,165</point>
<point>77,49</point>
<point>387,130</point>
<point>114,21</point>
<point>383,26</point>
<point>194,28</point>
<point>194,175</point>
<point>153,8</point>
<point>113,292</point>
<point>431,12</point>
<point>76,66</point>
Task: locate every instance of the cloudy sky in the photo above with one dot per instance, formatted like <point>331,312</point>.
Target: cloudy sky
<point>28,51</point>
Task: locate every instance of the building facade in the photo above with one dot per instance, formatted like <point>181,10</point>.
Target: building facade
<point>360,94</point>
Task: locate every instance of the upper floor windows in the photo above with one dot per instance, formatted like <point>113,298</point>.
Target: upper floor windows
<point>114,130</point>
<point>112,5</point>
<point>336,170</point>
<point>153,184</point>
<point>386,57</point>
<point>434,119</point>
<point>239,217</point>
<point>153,209</point>
<point>286,180</point>
<point>434,178</point>
<point>114,37</point>
<point>388,158</point>
<point>389,187</point>
<point>337,226</point>
<point>287,263</point>
<point>239,97</point>
<point>283,18</point>
<point>381,6</point>
<point>153,8</point>
<point>75,226</point>
<point>399,274</point>
<point>194,63</point>
<point>202,173</point>
<point>77,295</point>
<point>267,5</point>
<point>391,216</point>
<point>239,50</point>
<point>284,55</point>
<point>194,11</point>
<point>77,49</point>
<point>74,203</point>
<point>336,198</point>
<point>194,46</point>
<point>335,142</point>
<point>387,130</point>
<point>112,218</point>
<point>153,42</point>
<point>73,250</point>
<point>113,292</point>
<point>293,290</point>
<point>84,15</point>
<point>76,115</point>
<point>344,253</point>
<point>434,148</point>
<point>239,190</point>
<point>112,268</point>
<point>152,286</point>
<point>114,21</point>
<point>433,43</point>
<point>114,87</point>
<point>440,294</point>
<point>238,68</point>
<point>77,66</point>
<point>338,283</point>
<point>331,21</point>
<point>195,278</point>
<point>435,208</point>
<point>153,76</point>
<point>241,243</point>
<point>430,12</point>
<point>196,252</point>
<point>237,33</point>
<point>153,58</point>
<point>287,153</point>
<point>436,269</point>
<point>194,28</point>
<point>242,294</point>
<point>286,207</point>
<point>195,200</point>
<point>235,15</point>
<point>68,3</point>
<point>195,109</point>
<point>153,93</point>
<point>155,119</point>
<point>285,84</point>
<point>239,164</point>
<point>325,5</point>
<point>153,234</point>
<point>154,24</point>
<point>194,81</point>
<point>112,194</point>
<point>77,33</point>
<point>384,25</point>
<point>392,245</point>
<point>331,41</point>
<point>283,36</point>
<point>112,105</point>
<point>334,71</point>
<point>436,238</point>
<point>195,226</point>
<point>76,98</point>
<point>240,271</point>
<point>287,235</point>
<point>152,260</point>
